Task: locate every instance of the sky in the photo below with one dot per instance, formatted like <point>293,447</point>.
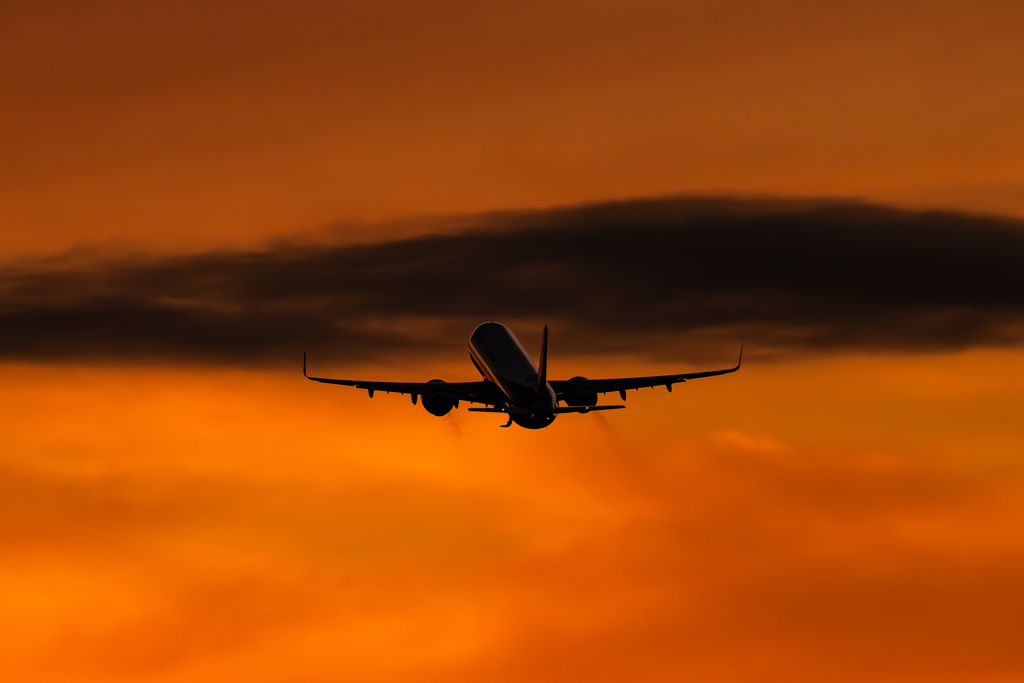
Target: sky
<point>194,194</point>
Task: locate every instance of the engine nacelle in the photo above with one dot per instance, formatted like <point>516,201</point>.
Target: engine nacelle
<point>438,405</point>
<point>581,401</point>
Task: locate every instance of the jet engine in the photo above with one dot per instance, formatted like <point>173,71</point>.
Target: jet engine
<point>581,401</point>
<point>438,405</point>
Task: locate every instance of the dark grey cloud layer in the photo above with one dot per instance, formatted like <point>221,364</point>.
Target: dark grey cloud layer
<point>672,276</point>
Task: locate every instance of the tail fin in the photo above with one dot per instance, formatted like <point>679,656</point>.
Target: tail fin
<point>542,373</point>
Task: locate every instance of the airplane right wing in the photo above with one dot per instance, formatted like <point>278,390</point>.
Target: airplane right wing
<point>578,388</point>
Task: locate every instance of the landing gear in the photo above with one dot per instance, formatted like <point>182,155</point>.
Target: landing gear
<point>509,421</point>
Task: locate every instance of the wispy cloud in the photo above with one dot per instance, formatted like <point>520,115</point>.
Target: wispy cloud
<point>783,275</point>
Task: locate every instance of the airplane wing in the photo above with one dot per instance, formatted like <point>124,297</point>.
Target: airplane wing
<point>471,392</point>
<point>578,388</point>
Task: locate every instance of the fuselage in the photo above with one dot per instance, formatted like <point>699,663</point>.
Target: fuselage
<point>503,361</point>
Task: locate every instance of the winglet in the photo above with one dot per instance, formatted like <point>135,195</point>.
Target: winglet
<point>542,374</point>
<point>738,364</point>
<point>304,365</point>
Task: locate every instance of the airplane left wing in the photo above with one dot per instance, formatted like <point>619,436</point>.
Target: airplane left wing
<point>578,388</point>
<point>471,392</point>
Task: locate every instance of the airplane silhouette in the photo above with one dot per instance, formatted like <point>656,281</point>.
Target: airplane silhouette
<point>514,386</point>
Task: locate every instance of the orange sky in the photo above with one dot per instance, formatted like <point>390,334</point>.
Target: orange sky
<point>846,517</point>
<point>835,520</point>
<point>194,124</point>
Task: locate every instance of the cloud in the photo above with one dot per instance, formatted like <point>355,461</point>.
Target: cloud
<point>175,524</point>
<point>784,276</point>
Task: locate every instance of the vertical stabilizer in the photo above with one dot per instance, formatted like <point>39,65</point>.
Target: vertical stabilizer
<point>542,373</point>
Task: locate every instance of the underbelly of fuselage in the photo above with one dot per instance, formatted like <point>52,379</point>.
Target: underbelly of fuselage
<point>501,359</point>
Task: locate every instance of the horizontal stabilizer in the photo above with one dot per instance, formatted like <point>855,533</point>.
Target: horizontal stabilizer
<point>526,411</point>
<point>585,409</point>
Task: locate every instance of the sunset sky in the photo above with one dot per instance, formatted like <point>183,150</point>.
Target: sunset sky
<point>192,194</point>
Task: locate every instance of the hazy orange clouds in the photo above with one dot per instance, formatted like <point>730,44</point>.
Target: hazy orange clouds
<point>188,125</point>
<point>838,520</point>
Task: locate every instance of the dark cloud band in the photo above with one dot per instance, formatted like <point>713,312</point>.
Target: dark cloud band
<point>643,275</point>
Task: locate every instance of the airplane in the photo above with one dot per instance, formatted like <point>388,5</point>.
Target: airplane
<point>514,386</point>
